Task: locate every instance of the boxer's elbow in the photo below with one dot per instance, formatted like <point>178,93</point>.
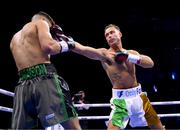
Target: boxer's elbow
<point>146,62</point>
<point>46,47</point>
<point>149,64</point>
<point>50,47</point>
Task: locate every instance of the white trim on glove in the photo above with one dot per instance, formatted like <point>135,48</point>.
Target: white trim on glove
<point>64,46</point>
<point>134,58</point>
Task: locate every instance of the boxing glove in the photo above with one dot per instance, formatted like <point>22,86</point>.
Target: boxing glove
<point>55,31</point>
<point>121,57</point>
<point>67,43</point>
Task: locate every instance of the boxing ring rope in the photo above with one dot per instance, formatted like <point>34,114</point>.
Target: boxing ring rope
<point>8,93</point>
<point>6,109</point>
<point>107,117</point>
<point>108,105</point>
<point>5,92</point>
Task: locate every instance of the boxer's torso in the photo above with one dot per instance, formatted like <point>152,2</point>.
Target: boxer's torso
<point>26,49</point>
<point>122,76</point>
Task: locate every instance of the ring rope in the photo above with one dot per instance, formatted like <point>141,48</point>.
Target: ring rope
<point>8,93</point>
<point>108,104</point>
<point>107,117</point>
<point>6,109</point>
<point>5,92</point>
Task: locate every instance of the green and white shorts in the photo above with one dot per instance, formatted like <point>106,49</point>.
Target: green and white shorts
<point>131,105</point>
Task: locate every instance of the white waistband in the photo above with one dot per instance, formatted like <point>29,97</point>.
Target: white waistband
<point>126,93</point>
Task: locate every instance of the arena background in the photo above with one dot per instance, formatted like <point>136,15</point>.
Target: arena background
<point>151,28</point>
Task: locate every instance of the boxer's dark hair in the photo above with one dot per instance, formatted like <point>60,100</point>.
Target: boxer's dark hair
<point>47,16</point>
<point>112,25</point>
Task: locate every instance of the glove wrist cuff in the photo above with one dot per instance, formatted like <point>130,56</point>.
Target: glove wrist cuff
<point>64,46</point>
<point>134,58</point>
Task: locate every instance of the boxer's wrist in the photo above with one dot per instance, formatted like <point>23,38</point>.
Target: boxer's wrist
<point>134,58</point>
<point>64,46</point>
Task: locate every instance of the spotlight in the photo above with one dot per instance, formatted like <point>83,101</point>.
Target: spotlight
<point>173,75</point>
<point>155,88</point>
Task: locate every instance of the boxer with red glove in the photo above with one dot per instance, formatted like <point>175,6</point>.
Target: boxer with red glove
<point>67,43</point>
<point>123,56</point>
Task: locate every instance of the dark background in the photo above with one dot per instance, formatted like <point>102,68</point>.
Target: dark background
<point>151,28</point>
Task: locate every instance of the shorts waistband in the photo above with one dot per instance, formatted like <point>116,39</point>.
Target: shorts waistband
<point>37,70</point>
<point>126,93</point>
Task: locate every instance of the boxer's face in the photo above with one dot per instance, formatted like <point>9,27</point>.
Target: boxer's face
<point>113,36</point>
